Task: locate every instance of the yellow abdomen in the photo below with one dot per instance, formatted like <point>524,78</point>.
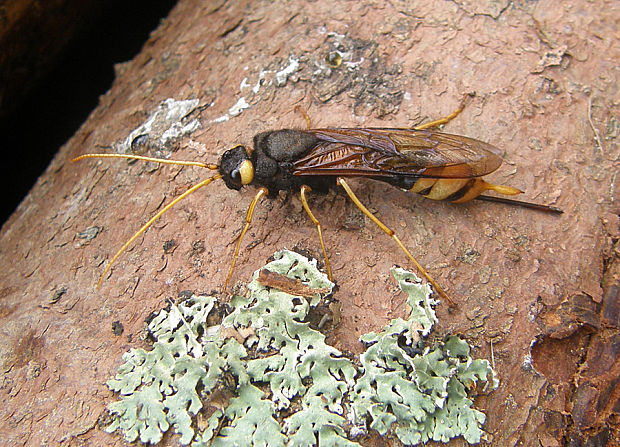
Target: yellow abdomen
<point>458,190</point>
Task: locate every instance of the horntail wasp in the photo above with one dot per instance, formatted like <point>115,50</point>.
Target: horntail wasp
<point>436,165</point>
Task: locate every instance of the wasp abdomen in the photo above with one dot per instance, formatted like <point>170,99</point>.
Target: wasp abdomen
<point>458,190</point>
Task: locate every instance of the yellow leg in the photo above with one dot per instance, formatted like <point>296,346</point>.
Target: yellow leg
<point>248,220</point>
<point>305,115</point>
<point>448,118</point>
<point>315,221</point>
<point>151,221</point>
<point>391,233</point>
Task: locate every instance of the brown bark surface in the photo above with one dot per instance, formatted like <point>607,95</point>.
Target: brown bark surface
<point>546,81</point>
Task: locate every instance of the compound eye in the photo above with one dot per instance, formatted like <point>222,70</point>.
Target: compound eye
<point>246,171</point>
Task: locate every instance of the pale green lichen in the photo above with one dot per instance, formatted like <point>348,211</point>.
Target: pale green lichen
<point>418,391</point>
<point>264,377</point>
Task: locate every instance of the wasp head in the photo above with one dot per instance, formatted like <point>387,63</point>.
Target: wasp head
<point>236,168</point>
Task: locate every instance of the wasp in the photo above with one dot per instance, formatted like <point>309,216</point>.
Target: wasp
<point>436,165</point>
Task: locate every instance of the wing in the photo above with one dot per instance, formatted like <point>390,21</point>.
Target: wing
<point>380,152</point>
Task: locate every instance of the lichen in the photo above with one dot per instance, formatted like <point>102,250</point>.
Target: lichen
<point>170,121</point>
<point>264,376</point>
<point>417,390</point>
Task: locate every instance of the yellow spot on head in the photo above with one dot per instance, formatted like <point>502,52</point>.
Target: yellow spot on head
<point>246,172</point>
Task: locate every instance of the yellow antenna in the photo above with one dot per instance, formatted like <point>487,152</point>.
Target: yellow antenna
<point>164,209</point>
<point>155,160</point>
<point>151,221</point>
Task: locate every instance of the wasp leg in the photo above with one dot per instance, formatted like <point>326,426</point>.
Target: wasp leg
<point>315,221</point>
<point>391,233</point>
<point>151,221</point>
<point>441,121</point>
<point>305,115</point>
<point>248,220</point>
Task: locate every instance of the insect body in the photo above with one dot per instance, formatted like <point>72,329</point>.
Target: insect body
<point>436,165</point>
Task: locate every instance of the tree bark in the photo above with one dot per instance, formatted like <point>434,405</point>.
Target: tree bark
<point>537,293</point>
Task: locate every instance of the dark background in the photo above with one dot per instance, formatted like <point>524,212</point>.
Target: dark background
<point>47,116</point>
